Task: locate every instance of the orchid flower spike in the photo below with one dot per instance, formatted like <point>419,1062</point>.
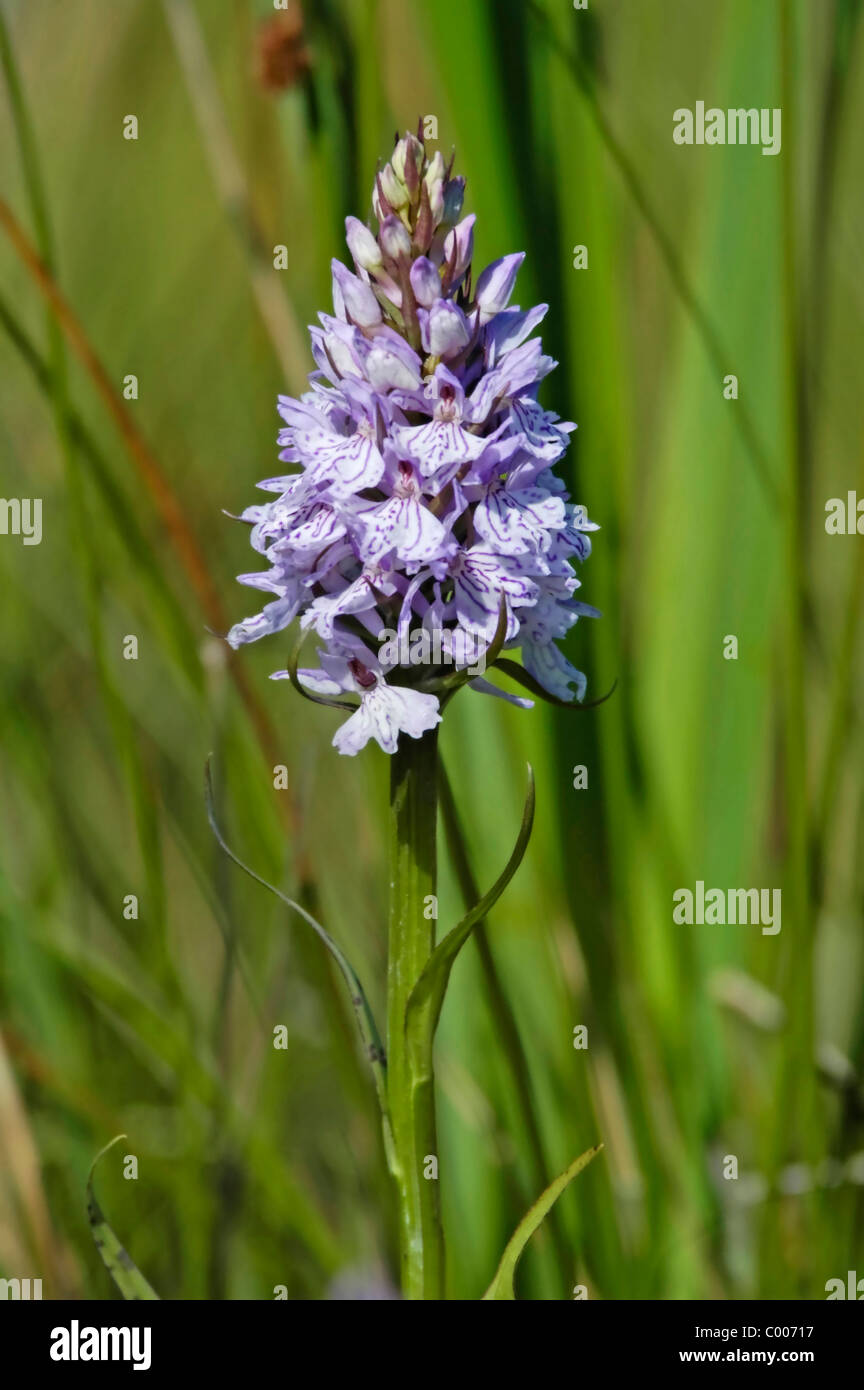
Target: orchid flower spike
<point>419,506</point>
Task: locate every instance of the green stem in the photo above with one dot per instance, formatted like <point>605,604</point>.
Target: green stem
<point>413,812</point>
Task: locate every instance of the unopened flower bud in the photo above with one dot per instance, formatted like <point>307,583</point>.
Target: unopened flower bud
<point>409,150</point>
<point>391,369</point>
<point>459,249</point>
<point>393,188</point>
<point>425,282</point>
<point>352,299</point>
<point>446,330</point>
<point>362,245</point>
<point>434,181</point>
<point>394,238</point>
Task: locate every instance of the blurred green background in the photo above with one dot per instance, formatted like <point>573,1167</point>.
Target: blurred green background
<point>261,1167</point>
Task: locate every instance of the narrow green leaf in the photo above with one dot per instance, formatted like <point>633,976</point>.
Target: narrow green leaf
<point>126,1275</point>
<point>369,1034</point>
<point>498,638</point>
<point>302,689</point>
<point>427,997</point>
<point>502,1285</point>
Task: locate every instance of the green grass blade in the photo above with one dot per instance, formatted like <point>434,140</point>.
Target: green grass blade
<point>369,1033</point>
<point>427,997</point>
<point>501,1287</point>
<point>126,1275</point>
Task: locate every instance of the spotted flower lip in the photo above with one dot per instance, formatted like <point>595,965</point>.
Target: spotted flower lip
<point>419,492</point>
<point>384,710</point>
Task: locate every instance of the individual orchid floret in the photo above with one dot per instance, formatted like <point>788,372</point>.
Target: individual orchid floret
<point>445,330</point>
<point>384,712</point>
<point>353,300</point>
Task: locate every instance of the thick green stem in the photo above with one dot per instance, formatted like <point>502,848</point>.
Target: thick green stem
<point>413,908</point>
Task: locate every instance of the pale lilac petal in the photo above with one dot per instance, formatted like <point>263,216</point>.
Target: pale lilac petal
<point>359,597</point>
<point>542,433</point>
<point>548,665</point>
<point>425,282</point>
<point>388,370</point>
<point>318,525</point>
<point>316,681</point>
<point>273,618</point>
<point>352,299</point>
<point>481,578</point>
<point>395,239</point>
<point>403,525</point>
<point>495,285</point>
<point>362,245</point>
<point>517,522</point>
<point>439,443</point>
<point>347,464</point>
<point>510,328</point>
<point>446,330</point>
<point>459,250</point>
<point>484,687</point>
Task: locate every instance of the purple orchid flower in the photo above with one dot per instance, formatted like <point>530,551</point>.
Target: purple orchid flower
<point>419,496</point>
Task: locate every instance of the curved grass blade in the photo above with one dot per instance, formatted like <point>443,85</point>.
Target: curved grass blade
<point>427,997</point>
<point>502,1285</point>
<point>369,1034</point>
<point>524,678</point>
<point>126,1275</point>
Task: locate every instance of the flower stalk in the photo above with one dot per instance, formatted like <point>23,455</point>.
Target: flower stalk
<point>413,880</point>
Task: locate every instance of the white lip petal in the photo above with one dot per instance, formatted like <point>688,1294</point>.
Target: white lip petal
<point>385,712</point>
